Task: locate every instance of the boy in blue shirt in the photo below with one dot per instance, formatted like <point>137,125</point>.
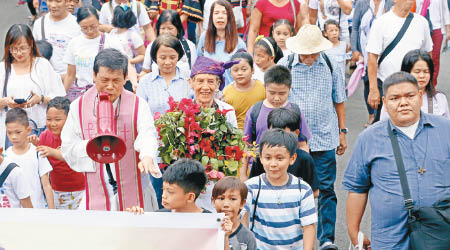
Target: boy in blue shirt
<point>280,207</point>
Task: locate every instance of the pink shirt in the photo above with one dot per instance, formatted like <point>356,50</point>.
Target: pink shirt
<point>271,13</point>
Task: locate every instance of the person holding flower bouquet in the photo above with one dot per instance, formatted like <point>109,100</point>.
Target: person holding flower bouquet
<point>204,129</point>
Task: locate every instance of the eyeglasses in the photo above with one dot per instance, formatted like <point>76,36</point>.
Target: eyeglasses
<point>17,50</point>
<point>90,28</point>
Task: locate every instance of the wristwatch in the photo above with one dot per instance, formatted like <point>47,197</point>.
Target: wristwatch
<point>343,130</point>
<point>42,100</point>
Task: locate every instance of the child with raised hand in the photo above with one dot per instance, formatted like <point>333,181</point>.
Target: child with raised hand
<point>123,22</point>
<point>35,167</point>
<point>280,207</point>
<point>244,91</point>
<point>340,50</point>
<point>14,188</point>
<point>68,185</point>
<point>182,183</point>
<point>266,54</point>
<point>229,196</point>
<point>280,31</point>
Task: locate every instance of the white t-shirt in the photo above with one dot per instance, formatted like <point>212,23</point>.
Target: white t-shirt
<point>410,130</point>
<point>135,38</point>
<point>106,15</point>
<point>258,74</point>
<point>183,63</point>
<point>34,167</point>
<point>332,11</point>
<point>383,32</point>
<point>15,186</point>
<point>81,52</point>
<point>42,80</point>
<point>58,34</point>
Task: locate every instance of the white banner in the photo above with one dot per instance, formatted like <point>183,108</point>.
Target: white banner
<point>23,229</point>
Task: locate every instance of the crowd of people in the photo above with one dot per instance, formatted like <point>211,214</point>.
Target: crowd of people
<point>279,66</point>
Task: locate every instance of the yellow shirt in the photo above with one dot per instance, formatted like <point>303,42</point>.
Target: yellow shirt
<point>243,101</point>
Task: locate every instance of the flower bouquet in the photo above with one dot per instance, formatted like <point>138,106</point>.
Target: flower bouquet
<point>188,131</point>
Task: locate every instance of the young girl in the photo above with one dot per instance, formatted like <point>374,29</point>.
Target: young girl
<point>27,80</point>
<point>67,185</point>
<point>229,196</point>
<point>266,54</point>
<point>340,48</point>
<point>132,43</point>
<point>221,40</point>
<point>280,31</point>
<point>244,91</point>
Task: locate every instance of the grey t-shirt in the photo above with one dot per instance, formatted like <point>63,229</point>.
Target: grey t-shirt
<point>244,237</point>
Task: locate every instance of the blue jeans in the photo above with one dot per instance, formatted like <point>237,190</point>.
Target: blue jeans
<point>325,164</point>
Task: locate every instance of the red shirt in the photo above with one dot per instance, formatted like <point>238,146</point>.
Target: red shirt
<point>271,13</point>
<point>62,178</point>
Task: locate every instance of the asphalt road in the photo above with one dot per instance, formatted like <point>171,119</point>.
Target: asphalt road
<point>355,109</point>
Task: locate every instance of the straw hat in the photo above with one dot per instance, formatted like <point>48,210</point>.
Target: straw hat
<point>309,40</point>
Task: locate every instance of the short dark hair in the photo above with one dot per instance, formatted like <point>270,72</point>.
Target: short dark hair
<point>45,48</point>
<point>243,55</point>
<point>410,60</point>
<point>188,174</point>
<point>278,74</point>
<point>85,12</point>
<point>229,182</point>
<point>284,118</point>
<point>174,18</point>
<point>124,18</point>
<point>277,52</point>
<point>397,78</point>
<point>169,41</point>
<point>330,22</point>
<point>17,115</point>
<point>112,59</point>
<point>59,102</point>
<point>277,137</point>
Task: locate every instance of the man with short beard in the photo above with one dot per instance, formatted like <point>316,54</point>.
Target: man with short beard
<point>424,142</point>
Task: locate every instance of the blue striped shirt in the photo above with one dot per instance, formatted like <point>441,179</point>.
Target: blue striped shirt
<point>281,212</point>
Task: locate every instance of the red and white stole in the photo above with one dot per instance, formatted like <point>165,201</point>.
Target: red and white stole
<point>128,176</point>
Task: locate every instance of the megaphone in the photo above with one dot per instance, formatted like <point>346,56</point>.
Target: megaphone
<point>106,147</point>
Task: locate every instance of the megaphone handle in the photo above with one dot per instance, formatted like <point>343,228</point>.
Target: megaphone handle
<point>111,178</point>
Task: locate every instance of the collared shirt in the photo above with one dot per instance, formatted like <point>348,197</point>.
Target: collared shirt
<point>315,90</point>
<point>372,170</point>
<point>155,91</point>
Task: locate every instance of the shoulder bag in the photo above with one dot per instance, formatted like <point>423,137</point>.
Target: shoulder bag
<point>428,227</point>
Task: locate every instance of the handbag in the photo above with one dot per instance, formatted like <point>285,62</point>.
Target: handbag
<point>238,15</point>
<point>428,227</point>
<point>355,78</point>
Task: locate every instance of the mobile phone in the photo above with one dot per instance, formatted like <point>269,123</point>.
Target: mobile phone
<point>20,101</point>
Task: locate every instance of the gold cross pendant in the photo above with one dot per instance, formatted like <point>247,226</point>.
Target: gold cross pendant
<point>421,170</point>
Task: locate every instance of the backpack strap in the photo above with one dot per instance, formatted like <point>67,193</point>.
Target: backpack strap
<point>327,60</point>
<point>187,50</point>
<point>110,7</point>
<point>256,203</point>
<point>397,38</point>
<point>43,28</point>
<point>290,61</point>
<point>102,42</point>
<point>6,172</point>
<point>254,116</point>
<point>138,10</point>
